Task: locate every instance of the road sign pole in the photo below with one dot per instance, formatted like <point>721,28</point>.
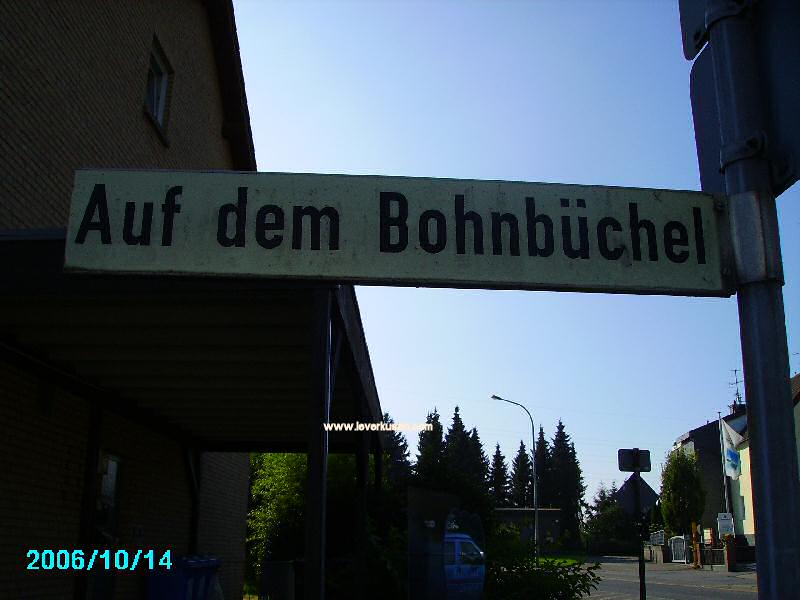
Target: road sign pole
<point>639,532</point>
<point>773,451</point>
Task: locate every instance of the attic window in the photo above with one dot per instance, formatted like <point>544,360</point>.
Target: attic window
<point>159,75</point>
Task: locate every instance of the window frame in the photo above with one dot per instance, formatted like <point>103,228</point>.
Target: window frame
<point>158,89</point>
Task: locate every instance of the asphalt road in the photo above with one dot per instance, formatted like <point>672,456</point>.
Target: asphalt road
<point>671,582</point>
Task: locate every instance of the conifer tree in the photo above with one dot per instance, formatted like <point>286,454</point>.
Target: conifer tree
<point>568,487</point>
<point>429,469</point>
<point>457,451</point>
<point>498,479</point>
<point>479,462</point>
<point>544,476</point>
<point>521,478</point>
<point>396,453</point>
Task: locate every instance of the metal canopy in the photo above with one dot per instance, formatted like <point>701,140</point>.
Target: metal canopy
<point>221,363</point>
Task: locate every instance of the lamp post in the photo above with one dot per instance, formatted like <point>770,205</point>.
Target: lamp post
<point>535,484</point>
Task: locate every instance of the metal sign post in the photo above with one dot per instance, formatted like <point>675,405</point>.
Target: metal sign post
<point>636,460</point>
<point>753,75</point>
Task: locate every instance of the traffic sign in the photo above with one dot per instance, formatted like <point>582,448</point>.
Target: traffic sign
<point>626,495</point>
<point>633,460</point>
<point>401,231</point>
<point>776,24</point>
<point>705,116</point>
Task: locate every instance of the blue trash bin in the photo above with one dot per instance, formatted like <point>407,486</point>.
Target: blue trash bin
<point>189,579</point>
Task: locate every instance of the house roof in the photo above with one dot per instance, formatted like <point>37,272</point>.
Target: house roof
<point>236,124</point>
<point>795,391</point>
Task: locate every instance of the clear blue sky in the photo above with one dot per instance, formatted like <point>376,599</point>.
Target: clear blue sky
<point>569,92</point>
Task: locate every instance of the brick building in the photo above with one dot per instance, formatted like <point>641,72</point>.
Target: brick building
<point>128,405</point>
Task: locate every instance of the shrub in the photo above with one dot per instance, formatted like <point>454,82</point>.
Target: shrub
<point>551,580</point>
<point>511,573</point>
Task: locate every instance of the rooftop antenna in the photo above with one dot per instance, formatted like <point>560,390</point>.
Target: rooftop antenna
<point>737,399</point>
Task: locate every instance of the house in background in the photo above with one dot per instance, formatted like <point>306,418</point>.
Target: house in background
<point>705,441</point>
<point>741,488</point>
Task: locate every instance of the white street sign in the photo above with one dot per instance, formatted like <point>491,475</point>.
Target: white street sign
<point>400,231</point>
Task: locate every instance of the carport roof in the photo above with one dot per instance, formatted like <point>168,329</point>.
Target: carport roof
<point>221,363</point>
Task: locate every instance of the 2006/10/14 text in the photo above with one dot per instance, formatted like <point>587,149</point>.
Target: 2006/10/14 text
<point>78,560</point>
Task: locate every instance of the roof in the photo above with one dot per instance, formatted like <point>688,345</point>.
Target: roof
<point>795,382</point>
<point>236,125</point>
<point>221,364</point>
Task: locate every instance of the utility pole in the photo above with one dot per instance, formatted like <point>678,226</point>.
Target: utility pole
<point>759,272</point>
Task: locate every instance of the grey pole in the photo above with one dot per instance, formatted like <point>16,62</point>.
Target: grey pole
<point>637,494</point>
<point>535,484</point>
<point>776,489</point>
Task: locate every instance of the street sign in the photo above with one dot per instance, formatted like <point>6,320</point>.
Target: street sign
<point>400,231</point>
<point>693,26</point>
<point>626,495</point>
<point>633,460</point>
<point>705,116</point>
<point>725,524</point>
<point>776,24</point>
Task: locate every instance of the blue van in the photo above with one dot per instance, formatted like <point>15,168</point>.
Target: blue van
<point>464,567</point>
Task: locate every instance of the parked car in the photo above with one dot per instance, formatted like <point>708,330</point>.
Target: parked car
<point>464,567</point>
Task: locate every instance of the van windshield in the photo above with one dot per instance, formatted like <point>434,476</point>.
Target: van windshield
<point>470,553</point>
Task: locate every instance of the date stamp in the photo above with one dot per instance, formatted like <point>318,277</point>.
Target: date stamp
<point>108,560</point>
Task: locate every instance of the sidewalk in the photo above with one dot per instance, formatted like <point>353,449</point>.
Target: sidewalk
<point>672,580</point>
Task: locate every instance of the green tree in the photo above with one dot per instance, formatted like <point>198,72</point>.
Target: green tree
<point>568,489</point>
<point>457,449</point>
<point>656,518</point>
<point>467,468</point>
<point>429,469</point>
<point>544,467</point>
<point>479,462</point>
<point>498,479</point>
<point>683,496</point>
<point>521,478</point>
<point>275,520</point>
<point>395,451</point>
<point>609,528</point>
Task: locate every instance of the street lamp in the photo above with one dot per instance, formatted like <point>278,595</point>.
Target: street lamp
<point>535,485</point>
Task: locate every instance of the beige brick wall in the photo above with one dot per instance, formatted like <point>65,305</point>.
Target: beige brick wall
<point>42,457</point>
<point>74,76</point>
<point>223,515</point>
<point>42,450</point>
<point>154,495</point>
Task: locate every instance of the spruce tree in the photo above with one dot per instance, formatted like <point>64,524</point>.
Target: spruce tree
<point>544,467</point>
<point>568,487</point>
<point>498,479</point>
<point>521,478</point>
<point>396,453</point>
<point>429,469</point>
<point>479,462</point>
<point>457,451</point>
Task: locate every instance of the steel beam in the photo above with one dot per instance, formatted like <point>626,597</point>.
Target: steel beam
<point>319,413</point>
